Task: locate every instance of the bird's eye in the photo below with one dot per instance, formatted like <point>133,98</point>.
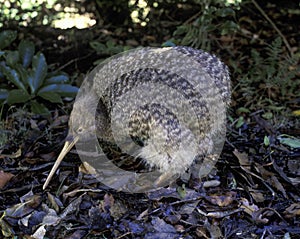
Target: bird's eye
<point>79,130</point>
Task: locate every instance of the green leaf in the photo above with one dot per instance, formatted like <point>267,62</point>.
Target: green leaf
<point>168,43</point>
<point>289,141</point>
<point>97,46</point>
<point>6,38</point>
<point>3,94</point>
<point>12,76</point>
<point>110,44</point>
<point>60,79</point>
<point>276,108</point>
<point>242,110</point>
<point>240,122</point>
<point>228,27</point>
<point>267,115</point>
<point>51,96</point>
<point>39,109</point>
<point>182,191</point>
<point>180,30</point>
<point>61,89</point>
<point>38,73</point>
<point>266,141</point>
<point>12,58</point>
<point>26,50</point>
<point>23,73</point>
<point>224,12</point>
<point>17,96</point>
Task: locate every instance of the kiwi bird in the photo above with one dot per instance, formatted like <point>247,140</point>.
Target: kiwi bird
<point>170,103</point>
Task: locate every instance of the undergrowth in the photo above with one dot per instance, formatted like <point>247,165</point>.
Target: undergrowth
<point>272,79</point>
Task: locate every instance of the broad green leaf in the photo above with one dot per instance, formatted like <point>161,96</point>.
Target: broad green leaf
<point>39,109</point>
<point>51,96</point>
<point>289,141</point>
<point>38,73</point>
<point>17,96</point>
<point>23,73</point>
<point>61,89</point>
<point>12,58</point>
<point>26,50</point>
<point>60,79</point>
<point>3,94</point>
<point>12,76</point>
<point>6,38</point>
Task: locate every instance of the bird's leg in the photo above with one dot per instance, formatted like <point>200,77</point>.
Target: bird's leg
<point>67,147</point>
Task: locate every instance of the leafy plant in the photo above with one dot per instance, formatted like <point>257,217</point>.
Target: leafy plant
<point>108,49</point>
<point>196,31</point>
<point>25,78</point>
<point>272,78</point>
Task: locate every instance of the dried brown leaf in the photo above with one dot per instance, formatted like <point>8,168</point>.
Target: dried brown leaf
<point>222,200</point>
<point>292,211</point>
<point>243,159</point>
<point>271,179</point>
<point>5,178</point>
<point>262,216</point>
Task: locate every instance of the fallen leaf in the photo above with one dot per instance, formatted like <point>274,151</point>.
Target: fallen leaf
<point>39,233</point>
<point>222,200</point>
<point>4,178</point>
<point>289,141</point>
<point>14,155</point>
<point>108,202</point>
<point>243,159</point>
<point>292,211</point>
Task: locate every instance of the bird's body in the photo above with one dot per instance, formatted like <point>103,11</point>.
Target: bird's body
<point>166,111</point>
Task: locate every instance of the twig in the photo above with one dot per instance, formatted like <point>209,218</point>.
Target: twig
<point>72,61</point>
<point>274,26</point>
<point>192,18</point>
<point>124,235</point>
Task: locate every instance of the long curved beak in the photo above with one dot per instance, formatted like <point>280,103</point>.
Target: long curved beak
<point>70,142</point>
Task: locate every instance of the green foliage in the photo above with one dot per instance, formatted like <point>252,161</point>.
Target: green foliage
<point>211,19</point>
<point>25,78</point>
<point>272,78</point>
<point>108,49</point>
<point>6,38</point>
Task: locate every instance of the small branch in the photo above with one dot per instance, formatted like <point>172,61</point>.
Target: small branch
<point>192,18</point>
<point>72,61</point>
<point>274,26</point>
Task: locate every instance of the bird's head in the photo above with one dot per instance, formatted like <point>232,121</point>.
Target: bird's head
<point>88,119</point>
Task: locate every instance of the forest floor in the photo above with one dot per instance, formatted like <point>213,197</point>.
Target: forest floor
<point>253,191</point>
